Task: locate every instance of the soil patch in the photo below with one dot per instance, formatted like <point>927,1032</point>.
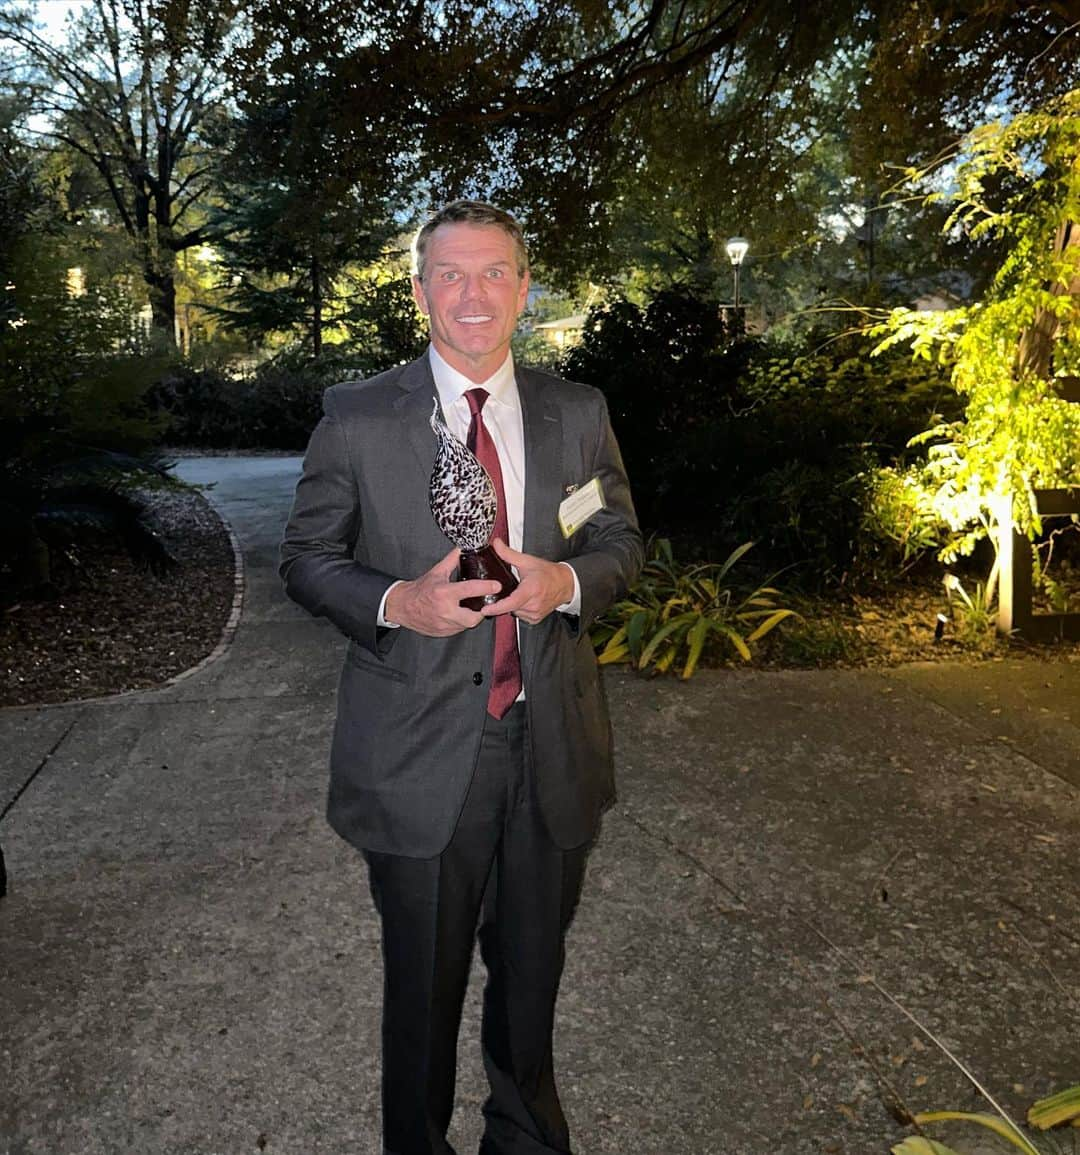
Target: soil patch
<point>110,625</point>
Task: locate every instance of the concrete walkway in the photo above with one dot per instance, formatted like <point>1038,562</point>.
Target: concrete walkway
<point>189,960</point>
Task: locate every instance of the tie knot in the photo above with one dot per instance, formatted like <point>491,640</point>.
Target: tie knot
<point>476,399</point>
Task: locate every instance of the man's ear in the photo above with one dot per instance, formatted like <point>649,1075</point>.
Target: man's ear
<point>418,295</point>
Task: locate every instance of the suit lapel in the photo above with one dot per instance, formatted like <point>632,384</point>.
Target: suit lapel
<point>542,421</point>
<point>414,407</point>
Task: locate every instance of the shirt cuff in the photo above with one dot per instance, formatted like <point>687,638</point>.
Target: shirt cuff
<point>380,617</point>
<point>573,606</point>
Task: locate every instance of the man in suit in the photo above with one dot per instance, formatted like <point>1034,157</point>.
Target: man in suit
<point>471,756</point>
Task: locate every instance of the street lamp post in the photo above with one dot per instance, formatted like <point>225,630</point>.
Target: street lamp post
<point>736,250</point>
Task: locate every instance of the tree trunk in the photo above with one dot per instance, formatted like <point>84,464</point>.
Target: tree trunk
<point>163,300</point>
<point>158,268</point>
<point>1036,353</point>
<point>316,303</point>
<point>163,287</point>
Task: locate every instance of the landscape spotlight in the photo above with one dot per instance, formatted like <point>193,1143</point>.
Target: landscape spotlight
<point>736,250</point>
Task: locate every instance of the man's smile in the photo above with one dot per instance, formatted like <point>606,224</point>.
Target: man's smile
<point>475,318</point>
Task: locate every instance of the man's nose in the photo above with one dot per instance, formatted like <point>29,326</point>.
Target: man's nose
<point>473,286</point>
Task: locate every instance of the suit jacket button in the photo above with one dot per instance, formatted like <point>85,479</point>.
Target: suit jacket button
<point>477,679</point>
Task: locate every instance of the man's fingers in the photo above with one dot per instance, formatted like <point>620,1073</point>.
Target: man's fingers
<point>448,564</point>
<point>474,588</point>
<point>508,604</point>
<point>509,555</point>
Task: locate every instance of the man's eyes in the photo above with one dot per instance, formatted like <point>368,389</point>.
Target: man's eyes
<point>452,275</point>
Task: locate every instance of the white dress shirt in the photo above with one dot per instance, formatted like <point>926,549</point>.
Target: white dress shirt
<point>502,418</point>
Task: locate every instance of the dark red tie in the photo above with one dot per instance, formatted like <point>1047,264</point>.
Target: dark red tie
<point>506,667</point>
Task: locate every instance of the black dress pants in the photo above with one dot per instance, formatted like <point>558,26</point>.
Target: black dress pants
<point>502,870</point>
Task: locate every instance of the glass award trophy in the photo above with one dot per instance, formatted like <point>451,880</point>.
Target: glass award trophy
<point>464,505</point>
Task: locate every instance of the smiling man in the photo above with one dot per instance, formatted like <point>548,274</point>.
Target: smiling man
<point>471,757</point>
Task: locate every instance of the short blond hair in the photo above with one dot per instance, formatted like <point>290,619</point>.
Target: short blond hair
<point>472,213</point>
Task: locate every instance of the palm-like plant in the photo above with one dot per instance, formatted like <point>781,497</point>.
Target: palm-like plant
<point>679,613</point>
<point>1055,1111</point>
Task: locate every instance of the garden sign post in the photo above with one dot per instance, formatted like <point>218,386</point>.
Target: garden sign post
<point>1015,556</point>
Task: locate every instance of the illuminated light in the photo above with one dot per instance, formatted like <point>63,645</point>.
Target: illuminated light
<point>737,248</point>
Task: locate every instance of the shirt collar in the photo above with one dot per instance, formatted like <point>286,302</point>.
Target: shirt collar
<point>452,385</point>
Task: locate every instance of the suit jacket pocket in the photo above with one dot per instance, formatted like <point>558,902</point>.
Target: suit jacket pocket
<point>358,657</point>
<point>586,673</point>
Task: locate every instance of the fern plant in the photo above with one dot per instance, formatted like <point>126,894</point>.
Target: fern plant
<point>677,614</point>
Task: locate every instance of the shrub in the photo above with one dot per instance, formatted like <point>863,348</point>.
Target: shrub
<point>685,613</point>
<point>276,407</point>
<point>73,415</point>
<point>728,438</point>
<point>666,369</point>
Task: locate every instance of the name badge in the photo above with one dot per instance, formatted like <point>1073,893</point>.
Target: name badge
<point>576,510</point>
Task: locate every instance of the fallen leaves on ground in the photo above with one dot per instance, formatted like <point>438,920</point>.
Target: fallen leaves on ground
<point>111,626</point>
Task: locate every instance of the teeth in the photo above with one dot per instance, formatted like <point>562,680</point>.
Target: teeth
<point>474,320</point>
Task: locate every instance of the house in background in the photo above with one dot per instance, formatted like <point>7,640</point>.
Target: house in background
<point>562,332</point>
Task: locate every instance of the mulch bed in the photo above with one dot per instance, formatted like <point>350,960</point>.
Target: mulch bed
<point>111,626</point>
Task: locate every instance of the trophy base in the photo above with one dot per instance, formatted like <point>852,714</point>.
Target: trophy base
<point>486,565</point>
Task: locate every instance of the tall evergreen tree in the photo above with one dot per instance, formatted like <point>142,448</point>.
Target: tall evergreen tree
<point>321,153</point>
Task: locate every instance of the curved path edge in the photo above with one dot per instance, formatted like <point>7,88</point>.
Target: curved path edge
<point>225,637</point>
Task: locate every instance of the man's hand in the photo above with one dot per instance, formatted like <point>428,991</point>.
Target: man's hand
<point>542,586</point>
<point>431,605</point>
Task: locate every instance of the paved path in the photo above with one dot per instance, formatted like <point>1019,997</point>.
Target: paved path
<point>189,961</point>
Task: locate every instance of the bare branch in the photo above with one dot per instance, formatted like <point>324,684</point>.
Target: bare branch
<point>189,239</point>
<point>185,203</point>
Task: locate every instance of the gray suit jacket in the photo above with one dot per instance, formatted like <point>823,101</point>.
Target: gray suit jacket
<point>411,708</point>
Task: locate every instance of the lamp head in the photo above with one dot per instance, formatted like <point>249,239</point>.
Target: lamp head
<point>736,249</point>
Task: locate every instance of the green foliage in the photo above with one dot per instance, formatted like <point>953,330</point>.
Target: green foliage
<point>1054,1111</point>
<point>806,446</point>
<point>898,515</point>
<point>73,365</point>
<point>918,1145</point>
<point>1018,182</point>
<point>73,369</point>
<point>73,379</point>
<point>685,613</point>
<point>275,407</point>
<point>973,612</point>
<point>824,639</point>
<point>209,409</point>
<point>132,95</point>
<point>731,438</point>
<point>1055,591</point>
<point>1064,1107</point>
<point>667,369</point>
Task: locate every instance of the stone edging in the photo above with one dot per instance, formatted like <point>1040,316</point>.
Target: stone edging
<point>228,631</point>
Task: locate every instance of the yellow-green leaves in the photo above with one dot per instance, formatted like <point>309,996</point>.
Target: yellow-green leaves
<point>682,614</point>
<point>1005,349</point>
<point>1064,1107</point>
<point>917,1145</point>
<point>998,1125</point>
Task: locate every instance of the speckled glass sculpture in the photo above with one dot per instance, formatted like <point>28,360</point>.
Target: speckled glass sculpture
<point>464,505</point>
